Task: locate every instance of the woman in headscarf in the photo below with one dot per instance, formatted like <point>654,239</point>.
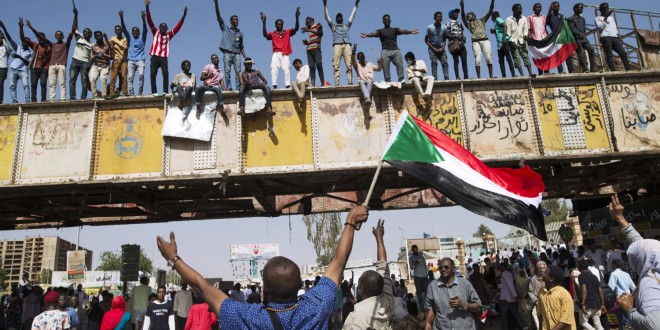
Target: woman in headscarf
<point>117,318</point>
<point>521,280</point>
<point>643,306</point>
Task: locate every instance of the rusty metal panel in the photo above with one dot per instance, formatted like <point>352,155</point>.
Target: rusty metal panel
<point>182,152</point>
<point>443,113</point>
<point>635,111</point>
<point>8,130</point>
<point>63,140</point>
<point>290,147</point>
<point>350,132</point>
<point>128,143</point>
<point>500,124</point>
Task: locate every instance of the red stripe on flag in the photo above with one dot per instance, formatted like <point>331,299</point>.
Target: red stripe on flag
<point>523,182</point>
<point>557,58</point>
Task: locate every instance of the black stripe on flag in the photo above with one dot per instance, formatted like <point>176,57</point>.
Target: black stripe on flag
<point>491,205</point>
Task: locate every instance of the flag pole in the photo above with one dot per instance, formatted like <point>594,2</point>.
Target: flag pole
<point>371,188</point>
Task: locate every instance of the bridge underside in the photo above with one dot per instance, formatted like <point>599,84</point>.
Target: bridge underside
<point>261,176</point>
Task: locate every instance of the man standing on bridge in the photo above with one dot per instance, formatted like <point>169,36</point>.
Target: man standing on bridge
<point>281,281</point>
<point>391,52</point>
<point>160,47</point>
<point>341,42</point>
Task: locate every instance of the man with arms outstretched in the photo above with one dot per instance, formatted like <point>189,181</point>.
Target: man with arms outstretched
<point>391,52</point>
<point>281,281</point>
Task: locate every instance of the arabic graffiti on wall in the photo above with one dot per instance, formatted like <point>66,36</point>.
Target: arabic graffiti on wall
<point>444,114</point>
<point>571,118</point>
<point>635,115</point>
<point>500,123</point>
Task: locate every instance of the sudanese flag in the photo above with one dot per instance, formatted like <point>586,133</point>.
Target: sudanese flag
<point>510,196</point>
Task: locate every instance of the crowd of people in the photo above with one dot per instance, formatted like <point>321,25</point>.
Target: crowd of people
<point>527,289</point>
<point>42,63</point>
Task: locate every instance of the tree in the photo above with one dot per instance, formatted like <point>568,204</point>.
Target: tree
<point>112,261</point>
<point>46,276</point>
<point>323,231</point>
<point>481,231</point>
<point>555,210</point>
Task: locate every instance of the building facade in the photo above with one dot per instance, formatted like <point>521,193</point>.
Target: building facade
<point>32,255</point>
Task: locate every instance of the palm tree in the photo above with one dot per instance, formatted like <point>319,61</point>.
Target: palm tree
<point>481,231</point>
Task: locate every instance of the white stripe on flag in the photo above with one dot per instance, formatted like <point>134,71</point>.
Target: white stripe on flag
<point>476,179</point>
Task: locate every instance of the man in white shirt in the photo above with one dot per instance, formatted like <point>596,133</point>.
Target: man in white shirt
<point>376,306</point>
<point>302,79</point>
<point>597,256</point>
<point>609,37</point>
<point>416,71</point>
<point>516,29</point>
<point>182,304</point>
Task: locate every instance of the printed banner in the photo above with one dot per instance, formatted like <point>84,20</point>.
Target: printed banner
<point>75,265</point>
<point>239,251</point>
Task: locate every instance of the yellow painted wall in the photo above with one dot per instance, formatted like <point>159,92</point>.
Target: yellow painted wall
<point>553,140</point>
<point>592,118</point>
<point>291,143</point>
<point>8,126</point>
<point>443,113</point>
<point>129,141</point>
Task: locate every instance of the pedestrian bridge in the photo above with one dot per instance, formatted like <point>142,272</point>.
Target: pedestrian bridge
<point>105,162</point>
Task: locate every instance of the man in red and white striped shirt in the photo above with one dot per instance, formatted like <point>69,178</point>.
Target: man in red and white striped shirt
<point>160,47</point>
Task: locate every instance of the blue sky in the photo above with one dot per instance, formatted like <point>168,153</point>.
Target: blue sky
<point>205,244</point>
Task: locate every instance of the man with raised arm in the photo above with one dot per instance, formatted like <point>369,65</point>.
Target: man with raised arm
<point>136,57</point>
<point>80,60</point>
<point>160,48</point>
<point>57,64</point>
<point>231,47</point>
<point>18,69</point>
<point>390,52</point>
<point>480,42</point>
<point>341,41</point>
<point>281,44</point>
<point>281,281</point>
<point>376,306</point>
<point>119,53</point>
<point>39,62</point>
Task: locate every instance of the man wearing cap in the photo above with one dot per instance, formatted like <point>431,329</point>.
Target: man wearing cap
<point>252,79</point>
<point>456,46</point>
<point>314,59</point>
<point>480,42</point>
<point>341,42</point>
<point>53,317</point>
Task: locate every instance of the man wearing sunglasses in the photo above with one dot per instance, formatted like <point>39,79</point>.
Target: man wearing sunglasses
<point>450,300</point>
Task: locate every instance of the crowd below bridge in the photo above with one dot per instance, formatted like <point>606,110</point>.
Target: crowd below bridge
<point>559,288</point>
<point>115,67</point>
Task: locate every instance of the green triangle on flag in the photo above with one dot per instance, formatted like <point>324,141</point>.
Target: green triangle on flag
<point>409,143</point>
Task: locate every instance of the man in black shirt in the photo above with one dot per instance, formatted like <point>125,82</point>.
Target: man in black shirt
<point>579,29</point>
<point>592,302</point>
<point>160,314</point>
<point>391,52</point>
